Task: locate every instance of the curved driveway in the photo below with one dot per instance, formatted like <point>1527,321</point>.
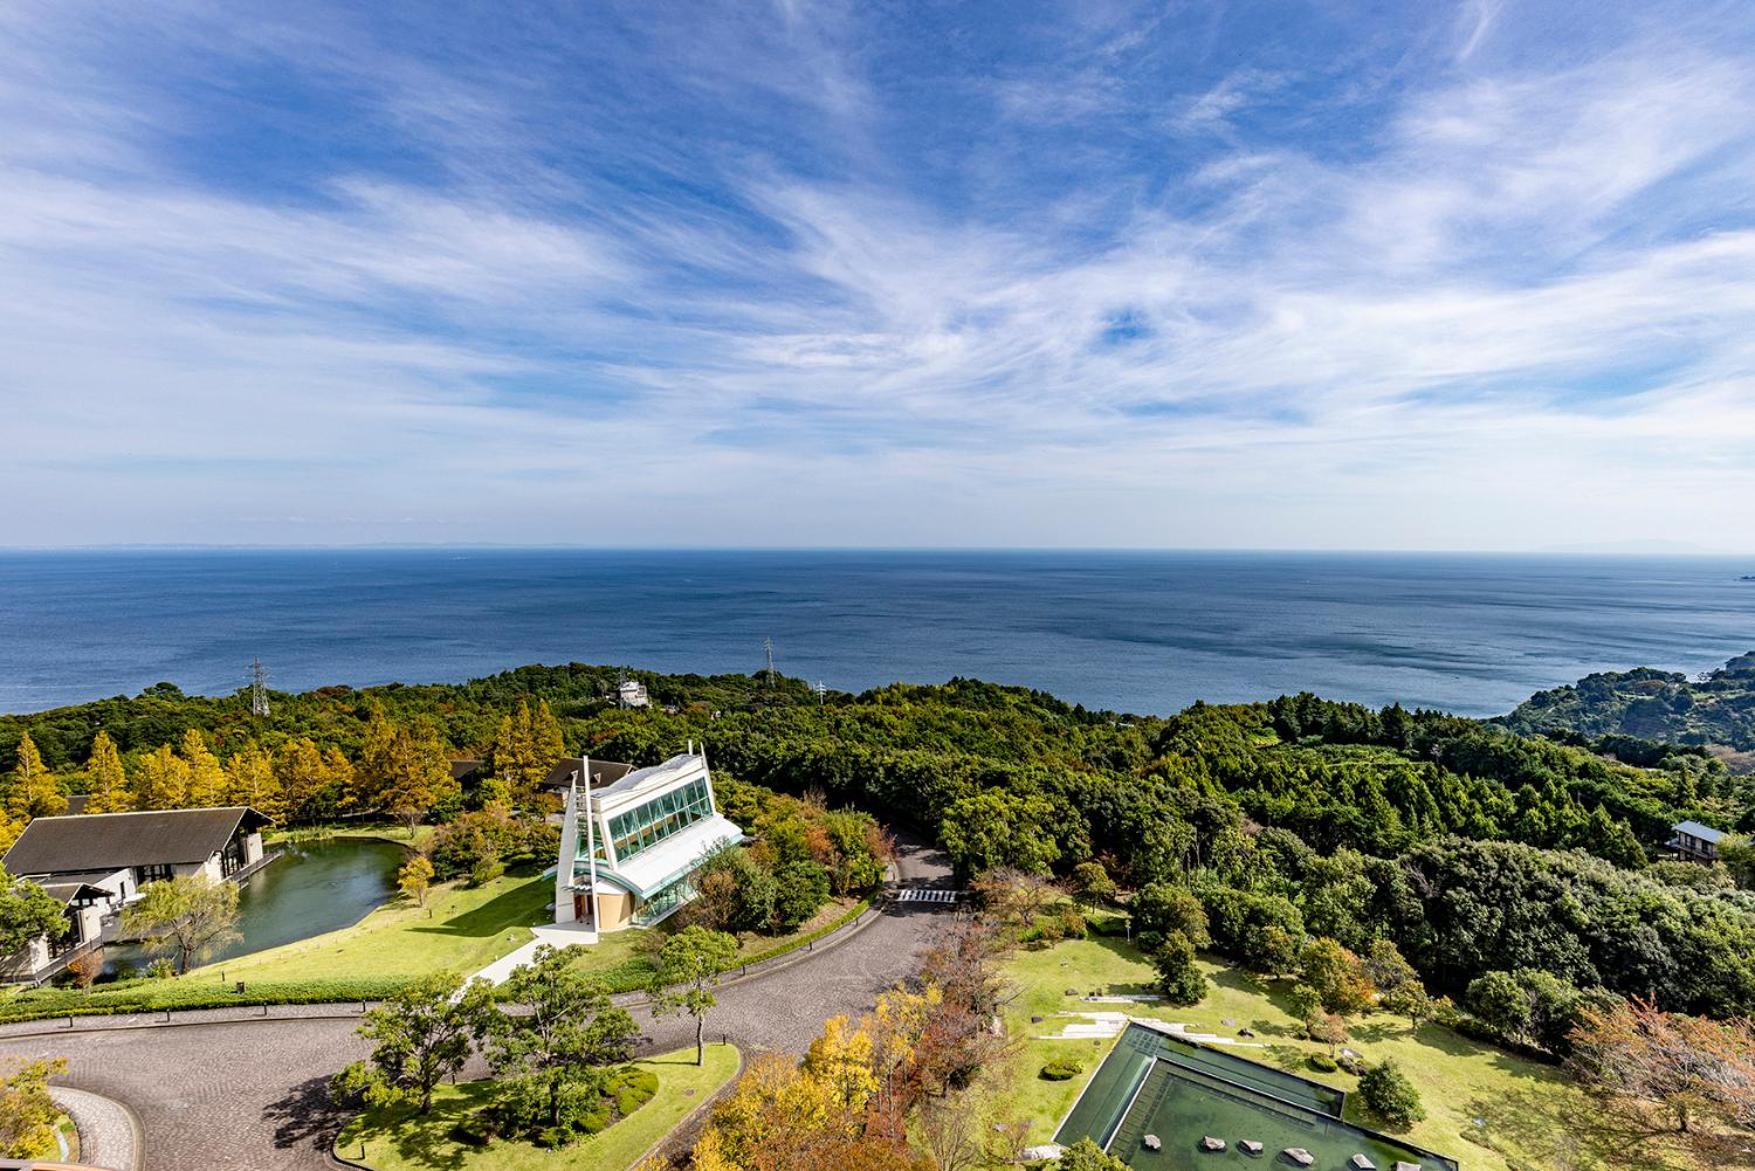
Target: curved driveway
<point>251,1094</point>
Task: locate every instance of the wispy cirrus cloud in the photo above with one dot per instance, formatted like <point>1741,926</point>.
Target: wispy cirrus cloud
<point>1117,277</point>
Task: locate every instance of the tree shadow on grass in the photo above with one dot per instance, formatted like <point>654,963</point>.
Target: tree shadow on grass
<point>1569,1132</point>
<point>425,1141</point>
<point>514,908</point>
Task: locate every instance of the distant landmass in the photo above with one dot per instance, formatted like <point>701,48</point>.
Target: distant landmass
<point>1715,709</point>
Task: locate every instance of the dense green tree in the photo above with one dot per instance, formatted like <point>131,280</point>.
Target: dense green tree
<point>1180,980</point>
<point>561,1025</point>
<point>27,912</point>
<point>1086,1155</point>
<point>995,828</point>
<point>1391,1096</point>
<point>1092,884</point>
<point>1500,1002</point>
<point>1163,908</point>
<point>801,890</point>
<point>421,1034</point>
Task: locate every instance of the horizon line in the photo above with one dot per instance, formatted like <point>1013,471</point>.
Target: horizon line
<point>569,547</point>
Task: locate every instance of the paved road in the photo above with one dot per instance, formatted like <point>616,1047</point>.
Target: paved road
<point>251,1094</point>
<point>108,1136</point>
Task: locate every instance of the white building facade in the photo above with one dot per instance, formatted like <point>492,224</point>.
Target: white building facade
<point>629,848</point>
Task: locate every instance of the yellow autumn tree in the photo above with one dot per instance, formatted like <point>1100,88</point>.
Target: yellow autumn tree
<point>108,781</point>
<point>775,1104</point>
<point>207,782</point>
<point>545,736</point>
<point>301,778</point>
<point>250,780</point>
<point>896,1026</point>
<point>842,1059</point>
<point>161,780</point>
<point>34,791</point>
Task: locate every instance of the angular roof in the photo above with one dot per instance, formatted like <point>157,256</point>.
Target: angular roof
<point>635,779</point>
<point>1704,832</point>
<point>652,869</point>
<point>110,841</point>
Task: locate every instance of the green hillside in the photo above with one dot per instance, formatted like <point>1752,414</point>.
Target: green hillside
<point>1716,709</point>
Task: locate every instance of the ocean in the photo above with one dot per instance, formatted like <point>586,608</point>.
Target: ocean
<point>1140,632</point>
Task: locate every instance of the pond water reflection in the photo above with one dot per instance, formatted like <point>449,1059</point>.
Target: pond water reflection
<point>312,888</point>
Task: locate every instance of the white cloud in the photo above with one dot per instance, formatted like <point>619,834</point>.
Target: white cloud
<point>1516,306</point>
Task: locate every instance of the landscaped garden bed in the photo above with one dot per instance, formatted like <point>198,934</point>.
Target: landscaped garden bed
<point>667,1088</point>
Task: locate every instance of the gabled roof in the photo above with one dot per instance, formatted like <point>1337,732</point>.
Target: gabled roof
<point>603,772</point>
<point>1704,832</point>
<point>66,892</point>
<point>110,841</point>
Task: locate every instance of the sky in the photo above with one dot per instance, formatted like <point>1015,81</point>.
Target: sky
<point>1473,275</point>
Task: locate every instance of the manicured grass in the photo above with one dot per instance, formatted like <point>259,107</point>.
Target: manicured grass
<point>623,959</point>
<point>400,1142</point>
<point>1532,1115</point>
<point>461,928</point>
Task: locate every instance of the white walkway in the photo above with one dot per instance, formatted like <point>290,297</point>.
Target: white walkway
<point>554,934</point>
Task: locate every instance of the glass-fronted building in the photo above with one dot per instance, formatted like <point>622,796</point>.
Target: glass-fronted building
<point>641,833</point>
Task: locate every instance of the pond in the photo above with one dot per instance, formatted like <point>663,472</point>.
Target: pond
<point>311,888</point>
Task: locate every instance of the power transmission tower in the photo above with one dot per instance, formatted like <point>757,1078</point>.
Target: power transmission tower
<point>258,688</point>
<point>768,649</point>
<point>820,688</point>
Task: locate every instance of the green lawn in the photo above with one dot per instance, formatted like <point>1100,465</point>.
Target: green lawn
<point>460,928</point>
<point>1532,1114</point>
<point>399,1142</point>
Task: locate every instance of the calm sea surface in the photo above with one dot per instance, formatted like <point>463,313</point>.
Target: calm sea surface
<point>1144,632</point>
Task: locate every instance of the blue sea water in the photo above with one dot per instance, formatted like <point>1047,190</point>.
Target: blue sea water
<point>1142,632</point>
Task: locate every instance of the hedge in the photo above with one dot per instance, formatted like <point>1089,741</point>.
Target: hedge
<point>147,995</point>
<point>150,995</point>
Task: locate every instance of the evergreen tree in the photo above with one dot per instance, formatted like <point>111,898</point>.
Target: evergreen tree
<point>1391,1096</point>
<point>1179,979</point>
<point>108,780</point>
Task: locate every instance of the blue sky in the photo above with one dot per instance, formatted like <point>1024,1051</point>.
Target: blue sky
<point>1473,275</point>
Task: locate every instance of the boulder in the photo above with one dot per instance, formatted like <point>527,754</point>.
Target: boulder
<point>1209,1143</point>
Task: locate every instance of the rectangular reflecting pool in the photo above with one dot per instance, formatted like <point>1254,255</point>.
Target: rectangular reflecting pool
<point>1179,1093</point>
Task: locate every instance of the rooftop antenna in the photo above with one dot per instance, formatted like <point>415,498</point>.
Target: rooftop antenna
<point>768,649</point>
<point>258,688</point>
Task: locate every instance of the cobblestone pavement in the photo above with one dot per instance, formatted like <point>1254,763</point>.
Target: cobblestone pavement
<point>245,1092</point>
<point>106,1130</point>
